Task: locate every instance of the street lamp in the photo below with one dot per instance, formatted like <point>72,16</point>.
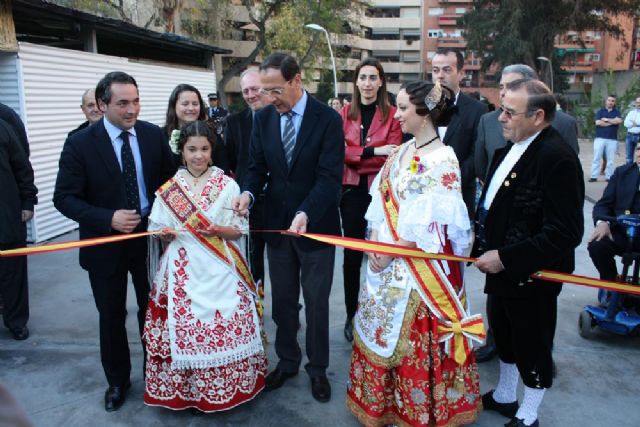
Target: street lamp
<point>317,27</point>
<point>545,59</point>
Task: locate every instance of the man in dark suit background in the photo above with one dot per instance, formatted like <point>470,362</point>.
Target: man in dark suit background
<point>447,67</point>
<point>13,119</point>
<point>236,139</point>
<point>529,218</point>
<point>490,139</point>
<point>620,197</point>
<point>297,149</point>
<point>17,200</point>
<point>106,182</point>
<point>89,107</point>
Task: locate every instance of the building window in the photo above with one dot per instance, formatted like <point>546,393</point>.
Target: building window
<point>436,11</point>
<point>387,55</point>
<point>383,12</point>
<point>413,35</point>
<point>595,57</point>
<point>385,34</point>
<point>461,10</point>
<point>410,12</point>
<point>434,33</point>
<point>411,56</point>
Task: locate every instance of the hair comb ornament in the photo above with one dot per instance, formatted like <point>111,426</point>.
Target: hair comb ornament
<point>433,97</point>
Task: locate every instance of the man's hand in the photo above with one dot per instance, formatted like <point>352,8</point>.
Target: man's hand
<point>299,223</point>
<point>125,220</point>
<point>241,204</point>
<point>378,262</point>
<point>26,215</point>
<point>490,262</point>
<point>602,230</point>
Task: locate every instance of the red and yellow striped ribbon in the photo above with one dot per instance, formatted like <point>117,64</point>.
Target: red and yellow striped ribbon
<point>344,242</point>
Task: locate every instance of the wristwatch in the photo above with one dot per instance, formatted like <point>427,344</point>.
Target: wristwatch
<point>602,220</point>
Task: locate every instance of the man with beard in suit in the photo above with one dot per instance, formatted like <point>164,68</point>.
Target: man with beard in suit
<point>108,176</point>
<point>236,139</point>
<point>297,149</point>
<point>447,67</point>
<point>529,218</point>
<point>490,139</point>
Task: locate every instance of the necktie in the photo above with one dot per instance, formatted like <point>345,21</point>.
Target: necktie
<point>289,136</point>
<point>129,174</point>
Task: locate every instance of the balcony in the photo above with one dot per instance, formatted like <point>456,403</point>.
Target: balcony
<point>578,67</point>
<point>449,20</point>
<point>452,42</point>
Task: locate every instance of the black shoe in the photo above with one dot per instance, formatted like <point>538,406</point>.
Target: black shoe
<point>276,379</point>
<point>592,179</point>
<point>517,422</point>
<point>114,397</point>
<point>20,334</point>
<point>486,352</point>
<point>197,412</point>
<point>348,329</point>
<point>505,409</point>
<point>320,388</point>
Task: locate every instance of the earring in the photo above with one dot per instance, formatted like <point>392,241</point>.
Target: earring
<point>424,123</point>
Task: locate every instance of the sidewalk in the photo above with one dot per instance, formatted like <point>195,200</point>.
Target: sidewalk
<point>593,190</point>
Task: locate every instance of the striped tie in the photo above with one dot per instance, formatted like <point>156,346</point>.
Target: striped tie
<point>289,136</point>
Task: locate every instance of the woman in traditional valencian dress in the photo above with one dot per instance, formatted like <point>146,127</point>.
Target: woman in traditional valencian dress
<point>412,361</point>
<point>202,332</point>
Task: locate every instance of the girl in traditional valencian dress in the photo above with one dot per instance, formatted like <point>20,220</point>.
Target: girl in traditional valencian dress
<point>202,329</point>
<point>412,362</point>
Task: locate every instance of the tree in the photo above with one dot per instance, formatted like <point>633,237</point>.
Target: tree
<point>519,31</point>
<point>280,27</point>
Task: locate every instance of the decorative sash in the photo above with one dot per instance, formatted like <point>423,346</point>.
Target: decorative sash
<point>457,328</point>
<point>187,212</point>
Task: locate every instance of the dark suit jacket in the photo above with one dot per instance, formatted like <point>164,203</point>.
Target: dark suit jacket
<point>312,183</point>
<point>461,136</point>
<point>618,196</point>
<point>84,125</point>
<point>535,221</point>
<point>237,136</point>
<point>18,191</point>
<point>8,115</point>
<point>490,138</point>
<point>89,188</point>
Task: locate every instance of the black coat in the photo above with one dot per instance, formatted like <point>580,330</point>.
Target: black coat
<point>618,196</point>
<point>18,191</point>
<point>13,119</point>
<point>461,136</point>
<point>89,188</point>
<point>536,220</point>
<point>237,136</point>
<point>313,181</point>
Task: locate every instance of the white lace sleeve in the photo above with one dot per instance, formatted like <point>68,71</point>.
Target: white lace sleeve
<point>425,213</point>
<point>375,213</point>
<point>226,217</point>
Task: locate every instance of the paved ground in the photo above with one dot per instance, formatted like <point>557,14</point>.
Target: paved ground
<point>56,374</point>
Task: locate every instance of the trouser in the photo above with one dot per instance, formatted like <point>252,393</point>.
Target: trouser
<point>630,146</point>
<point>353,206</point>
<point>603,252</point>
<point>291,268</point>
<point>14,288</point>
<point>600,147</point>
<point>110,295</point>
<point>524,329</point>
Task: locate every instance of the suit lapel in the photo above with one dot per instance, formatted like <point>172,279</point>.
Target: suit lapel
<point>516,173</point>
<point>306,127</point>
<point>145,154</point>
<point>105,150</point>
<point>455,120</point>
<point>376,123</point>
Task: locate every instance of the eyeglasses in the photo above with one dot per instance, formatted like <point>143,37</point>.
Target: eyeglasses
<point>276,91</point>
<point>250,89</point>
<point>510,114</point>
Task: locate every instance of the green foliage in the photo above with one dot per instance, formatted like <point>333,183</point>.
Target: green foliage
<point>325,86</point>
<point>519,31</point>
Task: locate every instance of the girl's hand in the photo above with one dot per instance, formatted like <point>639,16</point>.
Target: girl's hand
<point>378,262</point>
<point>168,234</point>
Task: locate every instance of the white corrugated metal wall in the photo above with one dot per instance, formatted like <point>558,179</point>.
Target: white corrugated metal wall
<point>53,81</point>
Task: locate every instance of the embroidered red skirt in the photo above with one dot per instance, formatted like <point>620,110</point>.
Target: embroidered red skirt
<point>425,388</point>
<point>210,389</point>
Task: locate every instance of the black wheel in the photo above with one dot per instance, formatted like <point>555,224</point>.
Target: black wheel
<point>585,324</point>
